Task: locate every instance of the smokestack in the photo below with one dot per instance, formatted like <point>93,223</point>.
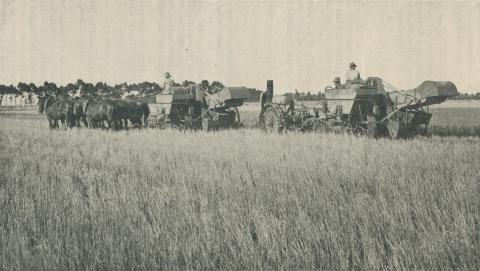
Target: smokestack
<point>269,90</point>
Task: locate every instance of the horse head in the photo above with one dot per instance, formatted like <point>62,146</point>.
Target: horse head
<point>80,106</point>
<point>41,103</point>
<point>44,102</point>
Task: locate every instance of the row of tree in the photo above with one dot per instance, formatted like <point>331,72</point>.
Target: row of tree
<point>466,96</point>
<point>306,96</point>
<point>99,88</point>
<point>74,88</point>
<point>152,87</point>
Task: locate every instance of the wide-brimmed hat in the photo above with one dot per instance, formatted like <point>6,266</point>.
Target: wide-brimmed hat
<point>336,80</point>
<point>167,75</point>
<point>353,65</point>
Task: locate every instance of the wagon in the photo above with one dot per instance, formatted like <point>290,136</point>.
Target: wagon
<point>193,108</point>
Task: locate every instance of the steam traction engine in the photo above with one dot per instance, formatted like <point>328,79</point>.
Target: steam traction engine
<point>359,107</point>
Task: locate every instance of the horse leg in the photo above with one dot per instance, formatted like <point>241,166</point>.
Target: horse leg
<point>117,124</point>
<point>88,123</point>
<point>120,124</point>
<point>66,120</point>
<point>50,123</point>
<point>113,124</point>
<point>109,124</point>
<point>145,122</point>
<point>65,123</point>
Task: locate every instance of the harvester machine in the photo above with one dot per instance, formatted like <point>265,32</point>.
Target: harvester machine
<point>362,107</point>
<point>221,108</point>
<point>194,108</point>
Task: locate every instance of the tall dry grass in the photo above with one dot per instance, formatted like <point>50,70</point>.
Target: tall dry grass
<point>458,122</point>
<point>164,199</point>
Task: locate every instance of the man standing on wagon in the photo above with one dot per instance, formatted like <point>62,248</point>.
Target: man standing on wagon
<point>352,74</point>
<point>168,84</point>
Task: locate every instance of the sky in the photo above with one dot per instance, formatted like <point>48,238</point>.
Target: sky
<point>299,45</point>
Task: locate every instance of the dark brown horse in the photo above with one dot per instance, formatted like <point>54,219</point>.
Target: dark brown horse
<point>56,110</point>
<point>79,108</point>
<point>127,111</point>
<point>144,112</point>
<point>97,112</point>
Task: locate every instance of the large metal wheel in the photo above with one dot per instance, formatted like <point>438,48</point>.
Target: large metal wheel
<point>273,120</point>
<point>359,131</point>
<point>156,121</point>
<point>315,125</point>
<point>320,127</point>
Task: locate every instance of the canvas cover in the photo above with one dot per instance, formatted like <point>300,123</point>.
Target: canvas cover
<point>427,93</point>
<point>233,93</point>
<point>227,97</point>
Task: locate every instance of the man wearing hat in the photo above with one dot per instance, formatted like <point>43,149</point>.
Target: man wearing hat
<point>168,84</point>
<point>338,84</point>
<point>352,74</point>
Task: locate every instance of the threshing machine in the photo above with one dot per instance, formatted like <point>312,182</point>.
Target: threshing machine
<point>192,107</point>
<point>361,107</point>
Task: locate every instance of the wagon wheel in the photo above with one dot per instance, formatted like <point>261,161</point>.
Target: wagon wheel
<point>315,125</point>
<point>320,126</point>
<point>360,132</point>
<point>273,120</point>
<point>356,130</point>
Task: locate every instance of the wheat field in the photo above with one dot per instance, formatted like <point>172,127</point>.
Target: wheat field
<point>235,200</point>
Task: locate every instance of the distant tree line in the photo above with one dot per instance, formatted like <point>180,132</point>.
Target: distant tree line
<point>466,96</point>
<point>74,88</point>
<point>306,95</point>
<point>144,88</point>
<point>100,88</point>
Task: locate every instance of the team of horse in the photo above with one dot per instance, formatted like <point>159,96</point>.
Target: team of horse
<point>104,113</point>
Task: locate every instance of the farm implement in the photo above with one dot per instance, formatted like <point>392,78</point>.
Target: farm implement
<point>193,108</point>
<point>361,107</point>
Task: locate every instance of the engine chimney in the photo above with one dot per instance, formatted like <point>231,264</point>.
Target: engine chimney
<point>269,90</point>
